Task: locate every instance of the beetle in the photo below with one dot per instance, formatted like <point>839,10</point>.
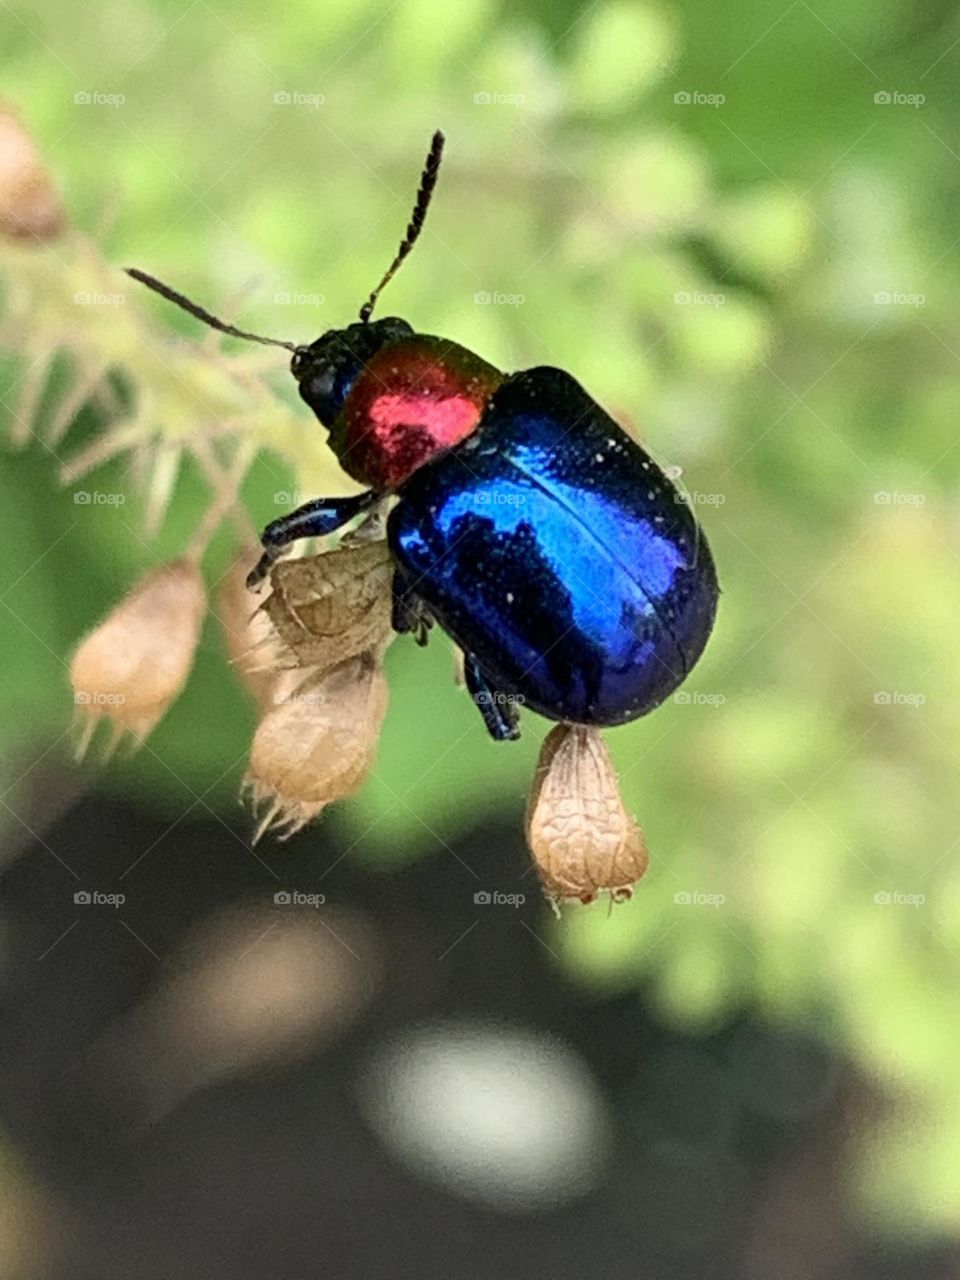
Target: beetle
<point>540,537</point>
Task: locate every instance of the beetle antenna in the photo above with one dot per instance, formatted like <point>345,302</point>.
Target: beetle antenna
<point>428,180</point>
<point>200,312</point>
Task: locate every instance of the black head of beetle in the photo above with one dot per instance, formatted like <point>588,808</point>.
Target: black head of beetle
<point>326,369</point>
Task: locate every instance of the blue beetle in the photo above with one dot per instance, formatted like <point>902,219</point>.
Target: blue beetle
<point>528,524</point>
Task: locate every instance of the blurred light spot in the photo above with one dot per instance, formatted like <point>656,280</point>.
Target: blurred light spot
<point>510,1117</point>
<point>250,988</point>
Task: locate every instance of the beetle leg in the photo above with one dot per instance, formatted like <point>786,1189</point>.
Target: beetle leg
<point>312,520</point>
<point>500,713</point>
<point>409,613</point>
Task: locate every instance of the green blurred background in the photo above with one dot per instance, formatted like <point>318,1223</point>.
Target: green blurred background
<point>738,230</point>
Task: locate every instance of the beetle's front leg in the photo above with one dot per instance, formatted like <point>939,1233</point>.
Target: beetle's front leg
<point>409,614</point>
<point>500,713</point>
<point>313,520</point>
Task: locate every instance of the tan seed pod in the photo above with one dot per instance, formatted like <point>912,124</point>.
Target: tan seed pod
<point>333,606</point>
<point>30,208</point>
<point>253,646</point>
<point>318,745</point>
<point>582,839</point>
<point>131,667</point>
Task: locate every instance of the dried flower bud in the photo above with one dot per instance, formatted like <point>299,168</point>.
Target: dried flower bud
<point>318,745</point>
<point>333,606</point>
<point>582,839</point>
<point>130,668</point>
<point>253,646</point>
<point>29,205</point>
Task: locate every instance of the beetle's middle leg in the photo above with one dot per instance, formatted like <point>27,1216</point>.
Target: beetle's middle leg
<point>313,520</point>
<point>500,712</point>
<point>410,615</point>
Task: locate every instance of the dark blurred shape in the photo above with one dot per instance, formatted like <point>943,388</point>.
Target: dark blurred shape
<point>722,1158</point>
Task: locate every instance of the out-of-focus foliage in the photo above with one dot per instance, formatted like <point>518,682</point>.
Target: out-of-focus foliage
<point>740,234</point>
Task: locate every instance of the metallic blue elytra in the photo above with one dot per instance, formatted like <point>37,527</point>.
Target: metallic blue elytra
<point>557,553</point>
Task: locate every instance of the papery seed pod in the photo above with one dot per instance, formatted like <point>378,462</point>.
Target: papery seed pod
<point>582,839</point>
<point>130,668</point>
<point>30,208</point>
<point>333,606</point>
<point>253,646</point>
<point>318,745</point>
